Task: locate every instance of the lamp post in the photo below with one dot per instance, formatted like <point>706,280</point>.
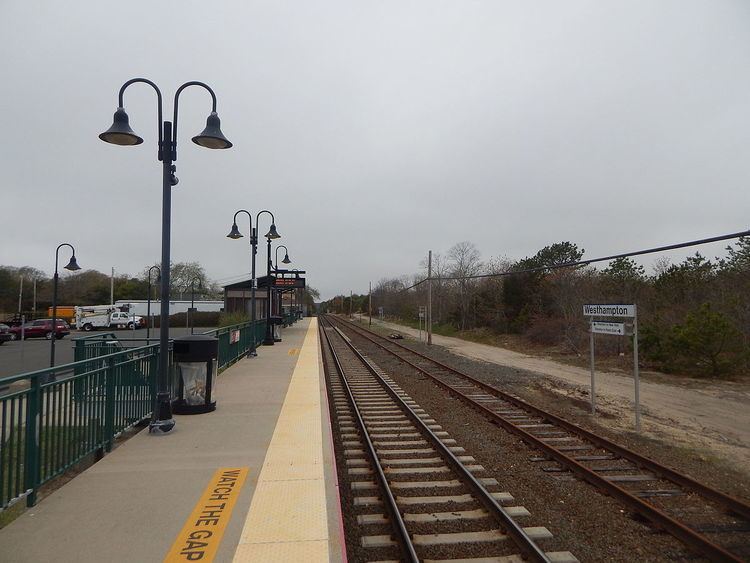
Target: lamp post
<point>271,234</point>
<point>192,300</point>
<point>72,266</point>
<point>212,138</point>
<point>280,304</point>
<point>286,256</point>
<point>149,320</point>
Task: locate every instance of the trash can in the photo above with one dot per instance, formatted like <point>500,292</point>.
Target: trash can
<point>277,322</point>
<point>195,358</point>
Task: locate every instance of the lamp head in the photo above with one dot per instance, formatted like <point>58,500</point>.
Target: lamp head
<point>73,265</point>
<point>235,232</point>
<point>120,133</point>
<point>286,259</point>
<point>272,232</point>
<point>212,137</point>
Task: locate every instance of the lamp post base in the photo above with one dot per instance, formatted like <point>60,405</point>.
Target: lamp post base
<point>162,422</point>
<point>161,426</point>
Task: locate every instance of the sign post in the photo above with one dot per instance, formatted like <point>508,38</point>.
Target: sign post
<point>593,380</point>
<point>636,374</point>
<point>421,318</point>
<point>615,329</point>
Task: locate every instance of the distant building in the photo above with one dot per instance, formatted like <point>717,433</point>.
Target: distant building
<point>237,299</point>
<point>140,306</point>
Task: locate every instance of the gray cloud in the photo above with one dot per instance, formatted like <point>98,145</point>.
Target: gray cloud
<point>376,130</point>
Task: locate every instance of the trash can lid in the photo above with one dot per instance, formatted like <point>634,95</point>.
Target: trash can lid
<point>195,348</point>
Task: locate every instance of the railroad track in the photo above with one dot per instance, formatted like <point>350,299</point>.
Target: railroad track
<point>710,522</point>
<point>417,495</point>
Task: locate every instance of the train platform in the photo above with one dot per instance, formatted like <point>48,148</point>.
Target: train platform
<point>253,481</point>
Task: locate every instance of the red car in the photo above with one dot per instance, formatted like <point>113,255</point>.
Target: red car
<point>41,328</point>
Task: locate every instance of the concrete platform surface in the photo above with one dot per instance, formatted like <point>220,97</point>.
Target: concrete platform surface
<point>187,495</point>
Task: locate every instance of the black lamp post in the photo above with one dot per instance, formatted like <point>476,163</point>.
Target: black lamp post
<point>192,300</point>
<point>270,235</point>
<point>212,138</point>
<point>286,256</point>
<point>149,320</point>
<point>286,260</point>
<point>72,266</point>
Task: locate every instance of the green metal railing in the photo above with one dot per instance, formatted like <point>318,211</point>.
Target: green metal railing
<point>236,340</point>
<point>51,419</point>
<point>290,317</point>
<point>95,345</point>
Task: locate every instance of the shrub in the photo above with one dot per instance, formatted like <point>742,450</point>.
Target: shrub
<point>229,319</point>
<point>201,319</point>
<point>546,331</point>
<point>707,342</point>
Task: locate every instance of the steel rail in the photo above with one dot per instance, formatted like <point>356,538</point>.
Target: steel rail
<point>516,532</point>
<point>402,534</point>
<point>656,516</point>
<point>729,502</point>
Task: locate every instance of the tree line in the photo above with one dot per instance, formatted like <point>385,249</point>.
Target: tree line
<point>693,316</point>
<point>91,287</point>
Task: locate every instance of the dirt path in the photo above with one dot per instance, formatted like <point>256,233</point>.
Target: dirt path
<point>714,418</point>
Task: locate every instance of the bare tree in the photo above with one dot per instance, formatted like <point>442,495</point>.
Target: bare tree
<point>465,261</point>
<point>180,276</point>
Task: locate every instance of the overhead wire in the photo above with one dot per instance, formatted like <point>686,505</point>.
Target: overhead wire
<point>576,263</point>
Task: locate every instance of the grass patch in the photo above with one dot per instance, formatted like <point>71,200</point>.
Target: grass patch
<point>68,439</point>
<point>9,514</point>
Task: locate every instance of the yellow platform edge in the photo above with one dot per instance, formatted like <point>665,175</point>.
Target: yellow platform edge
<point>287,519</point>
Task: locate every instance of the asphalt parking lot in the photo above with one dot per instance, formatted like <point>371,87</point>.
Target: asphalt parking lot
<point>34,354</point>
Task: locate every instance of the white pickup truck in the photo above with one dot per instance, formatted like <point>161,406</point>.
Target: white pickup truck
<point>91,318</point>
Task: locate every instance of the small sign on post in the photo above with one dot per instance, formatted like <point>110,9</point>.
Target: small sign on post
<point>616,329</point>
<point>601,327</point>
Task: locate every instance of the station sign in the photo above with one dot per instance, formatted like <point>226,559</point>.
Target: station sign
<point>627,311</point>
<point>279,282</point>
<point>289,283</point>
<point>600,327</point>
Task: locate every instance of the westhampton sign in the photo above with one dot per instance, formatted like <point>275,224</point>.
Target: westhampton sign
<point>609,311</point>
<point>615,329</point>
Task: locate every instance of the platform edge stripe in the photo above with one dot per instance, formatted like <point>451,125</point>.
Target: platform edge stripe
<point>204,529</point>
<point>275,524</point>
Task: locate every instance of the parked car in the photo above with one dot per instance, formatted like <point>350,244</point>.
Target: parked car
<point>41,328</point>
<point>5,334</point>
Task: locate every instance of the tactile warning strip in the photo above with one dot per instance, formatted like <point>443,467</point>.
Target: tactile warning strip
<point>287,519</point>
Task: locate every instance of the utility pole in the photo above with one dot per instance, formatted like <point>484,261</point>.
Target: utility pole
<point>20,295</point>
<point>369,307</point>
<point>112,287</point>
<point>33,304</point>
<point>351,302</point>
<point>429,298</point>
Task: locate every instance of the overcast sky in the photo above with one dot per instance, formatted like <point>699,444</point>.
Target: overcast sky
<point>375,130</point>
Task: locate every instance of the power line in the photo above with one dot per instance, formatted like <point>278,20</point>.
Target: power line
<point>592,260</point>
